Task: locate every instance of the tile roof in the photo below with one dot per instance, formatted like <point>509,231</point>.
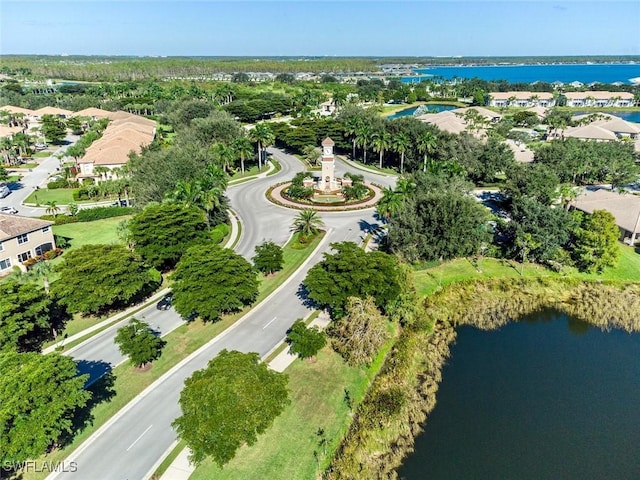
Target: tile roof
<point>624,207</point>
<point>52,111</point>
<point>13,225</point>
<point>12,109</point>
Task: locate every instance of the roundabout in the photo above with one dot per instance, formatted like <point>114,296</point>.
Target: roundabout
<point>276,195</point>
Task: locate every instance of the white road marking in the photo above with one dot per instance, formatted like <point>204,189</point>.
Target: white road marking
<point>269,322</point>
<point>141,435</point>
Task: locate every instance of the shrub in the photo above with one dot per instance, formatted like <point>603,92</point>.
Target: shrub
<point>219,232</point>
<point>99,213</point>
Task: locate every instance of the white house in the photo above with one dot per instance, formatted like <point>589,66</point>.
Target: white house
<point>599,99</point>
<point>521,99</point>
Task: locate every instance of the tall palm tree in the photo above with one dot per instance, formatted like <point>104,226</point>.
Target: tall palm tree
<point>380,143</point>
<point>400,144</point>
<point>363,138</point>
<point>224,156</point>
<point>389,204</point>
<point>243,150</point>
<point>52,208</point>
<point>307,223</point>
<point>351,127</point>
<point>187,193</point>
<point>426,145</point>
<point>263,135</point>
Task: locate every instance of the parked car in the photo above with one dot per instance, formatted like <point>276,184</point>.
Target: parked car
<point>4,190</point>
<point>10,210</point>
<point>165,302</point>
<point>40,146</point>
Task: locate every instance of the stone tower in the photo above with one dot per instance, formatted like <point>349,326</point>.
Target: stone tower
<point>328,179</point>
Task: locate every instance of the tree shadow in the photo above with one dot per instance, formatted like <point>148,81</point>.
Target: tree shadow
<point>102,390</point>
<point>368,227</point>
<point>303,294</point>
<point>96,369</point>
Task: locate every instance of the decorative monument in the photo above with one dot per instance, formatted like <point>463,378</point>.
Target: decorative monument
<point>328,184</point>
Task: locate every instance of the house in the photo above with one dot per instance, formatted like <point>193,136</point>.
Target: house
<point>22,238</point>
<point>124,134</point>
<point>604,127</point>
<point>624,207</point>
<point>521,99</point>
<point>327,108</point>
<point>599,99</point>
<point>52,111</point>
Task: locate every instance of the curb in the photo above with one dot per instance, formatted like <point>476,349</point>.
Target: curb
<point>81,448</point>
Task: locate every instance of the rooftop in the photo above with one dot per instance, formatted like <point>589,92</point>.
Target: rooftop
<point>13,225</point>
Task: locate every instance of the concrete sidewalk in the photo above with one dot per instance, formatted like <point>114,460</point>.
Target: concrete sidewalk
<point>180,468</point>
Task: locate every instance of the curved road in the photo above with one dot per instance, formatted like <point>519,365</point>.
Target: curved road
<point>130,444</point>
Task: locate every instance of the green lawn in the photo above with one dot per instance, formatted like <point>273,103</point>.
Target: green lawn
<point>86,233</point>
<point>183,341</point>
<point>428,280</point>
<point>248,172</point>
<point>42,154</point>
<point>13,178</point>
<point>62,196</point>
<point>285,451</point>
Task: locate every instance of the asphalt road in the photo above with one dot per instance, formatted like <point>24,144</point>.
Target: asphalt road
<point>129,445</point>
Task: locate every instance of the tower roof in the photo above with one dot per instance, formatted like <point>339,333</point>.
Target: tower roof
<point>327,142</point>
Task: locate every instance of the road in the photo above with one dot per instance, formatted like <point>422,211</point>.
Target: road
<point>128,446</point>
<point>35,178</point>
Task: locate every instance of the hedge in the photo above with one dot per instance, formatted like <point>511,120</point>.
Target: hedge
<point>90,215</point>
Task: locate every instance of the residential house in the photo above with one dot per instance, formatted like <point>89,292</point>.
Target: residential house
<point>61,112</point>
<point>22,238</point>
<point>625,207</point>
<point>521,99</point>
<point>604,127</point>
<point>599,99</point>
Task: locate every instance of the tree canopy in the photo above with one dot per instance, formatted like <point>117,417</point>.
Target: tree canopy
<point>596,242</point>
<point>352,272</point>
<point>162,233</point>
<point>139,342</point>
<point>212,281</point>
<point>228,404</point>
<point>305,341</point>
<point>268,257</point>
<point>95,278</point>
<point>40,394</point>
<point>28,316</point>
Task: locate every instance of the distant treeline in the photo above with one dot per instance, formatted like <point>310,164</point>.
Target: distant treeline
<point>118,68</point>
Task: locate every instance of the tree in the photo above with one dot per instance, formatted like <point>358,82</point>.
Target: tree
<point>162,233</point>
<point>263,136</point>
<point>389,204</point>
<point>352,272</point>
<point>380,142</point>
<point>96,278</point>
<point>535,181</point>
<point>268,258</point>
<point>228,404</point>
<point>213,281</point>
<point>426,145</point>
<point>596,242</point>
<point>400,144</point>
<point>53,128</point>
<point>28,317</point>
<point>358,335</point>
<point>40,394</point>
<point>3,173</point>
<point>363,138</point>
<point>305,342</point>
<point>139,342</point>
<point>307,223</point>
<point>243,150</point>
<point>52,208</point>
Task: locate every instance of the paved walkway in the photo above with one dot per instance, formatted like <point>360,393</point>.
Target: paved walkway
<point>180,468</point>
<point>277,197</point>
<point>362,167</point>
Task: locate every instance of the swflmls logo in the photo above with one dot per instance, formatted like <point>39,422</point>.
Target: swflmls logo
<point>38,467</point>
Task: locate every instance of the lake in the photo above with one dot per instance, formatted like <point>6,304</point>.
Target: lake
<point>585,73</point>
<point>546,398</point>
<point>410,111</point>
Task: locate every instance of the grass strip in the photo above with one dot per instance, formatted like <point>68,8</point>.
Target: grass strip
<point>127,382</point>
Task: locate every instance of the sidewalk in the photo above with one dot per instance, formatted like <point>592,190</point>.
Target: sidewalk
<point>233,238</point>
<point>358,166</point>
<point>180,468</point>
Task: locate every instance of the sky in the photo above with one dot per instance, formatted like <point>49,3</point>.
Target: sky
<point>320,28</point>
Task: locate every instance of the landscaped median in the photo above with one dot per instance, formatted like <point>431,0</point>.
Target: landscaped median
<point>127,383</point>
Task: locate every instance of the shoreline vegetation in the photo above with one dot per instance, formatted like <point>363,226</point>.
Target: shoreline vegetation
<point>400,399</point>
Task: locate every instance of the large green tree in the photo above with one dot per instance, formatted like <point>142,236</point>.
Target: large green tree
<point>40,394</point>
<point>28,316</point>
<point>162,233</point>
<point>352,272</point>
<point>213,281</point>
<point>228,404</point>
<point>139,342</point>
<point>596,242</point>
<point>305,341</point>
<point>53,128</point>
<point>268,257</point>
<point>95,278</point>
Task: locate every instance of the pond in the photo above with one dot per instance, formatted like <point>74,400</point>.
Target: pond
<point>548,397</point>
<point>433,108</point>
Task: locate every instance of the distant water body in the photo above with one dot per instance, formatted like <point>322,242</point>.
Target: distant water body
<point>585,73</point>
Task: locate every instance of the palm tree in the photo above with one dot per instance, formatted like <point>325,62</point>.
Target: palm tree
<point>389,204</point>
<point>400,144</point>
<point>187,193</point>
<point>426,145</point>
<point>52,208</point>
<point>263,135</point>
<point>351,127</point>
<point>224,156</point>
<point>311,154</point>
<point>102,171</point>
<point>307,223</point>
<point>243,150</point>
<point>41,270</point>
<point>380,143</point>
<point>363,137</point>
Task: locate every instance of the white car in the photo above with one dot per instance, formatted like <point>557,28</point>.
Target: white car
<point>10,210</point>
<point>4,190</point>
